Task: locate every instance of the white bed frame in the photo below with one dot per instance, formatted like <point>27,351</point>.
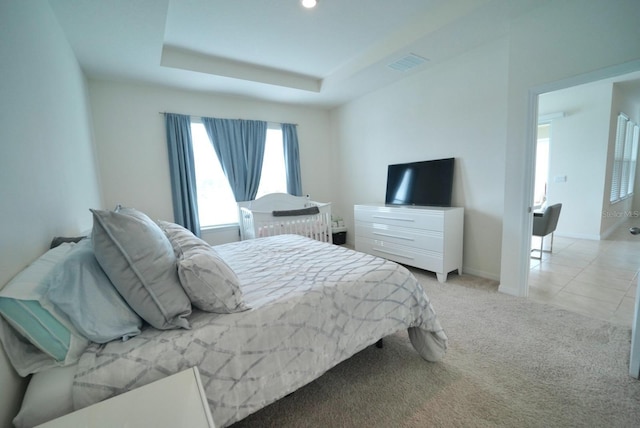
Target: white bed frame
<point>257,219</point>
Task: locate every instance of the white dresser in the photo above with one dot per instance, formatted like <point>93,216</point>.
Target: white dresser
<point>428,238</point>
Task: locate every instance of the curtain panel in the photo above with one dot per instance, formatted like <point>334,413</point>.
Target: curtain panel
<point>182,169</point>
<point>292,158</point>
<point>239,145</point>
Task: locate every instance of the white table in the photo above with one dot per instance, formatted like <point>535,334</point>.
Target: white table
<point>175,401</point>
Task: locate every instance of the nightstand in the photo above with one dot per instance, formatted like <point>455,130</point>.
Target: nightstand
<point>175,401</point>
<point>339,235</point>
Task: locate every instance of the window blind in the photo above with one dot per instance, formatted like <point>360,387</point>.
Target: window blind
<point>625,159</point>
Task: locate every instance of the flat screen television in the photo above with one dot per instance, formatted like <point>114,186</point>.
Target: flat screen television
<point>425,183</point>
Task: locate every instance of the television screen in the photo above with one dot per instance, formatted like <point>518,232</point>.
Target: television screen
<point>426,183</point>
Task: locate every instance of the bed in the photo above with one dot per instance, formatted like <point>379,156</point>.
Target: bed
<point>301,306</point>
<point>281,213</point>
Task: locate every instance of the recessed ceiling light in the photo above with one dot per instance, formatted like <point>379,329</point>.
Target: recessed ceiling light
<point>309,3</point>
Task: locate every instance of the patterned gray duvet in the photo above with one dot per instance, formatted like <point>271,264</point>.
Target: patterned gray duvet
<point>313,305</point>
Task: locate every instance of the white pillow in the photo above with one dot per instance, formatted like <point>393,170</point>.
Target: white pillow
<point>24,356</point>
<point>48,396</point>
<point>34,322</point>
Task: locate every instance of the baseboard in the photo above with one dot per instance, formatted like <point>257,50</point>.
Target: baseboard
<point>481,273</point>
<point>596,237</point>
<point>614,227</point>
<point>512,291</point>
<point>579,236</point>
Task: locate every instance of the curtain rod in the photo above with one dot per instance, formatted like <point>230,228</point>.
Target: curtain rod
<point>200,117</point>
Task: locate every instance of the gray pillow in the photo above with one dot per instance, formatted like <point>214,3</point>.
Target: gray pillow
<point>210,283</point>
<point>81,289</point>
<point>140,262</point>
<point>181,239</point>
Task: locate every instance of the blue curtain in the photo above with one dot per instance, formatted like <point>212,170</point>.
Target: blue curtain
<point>292,159</point>
<point>239,145</point>
<point>182,168</point>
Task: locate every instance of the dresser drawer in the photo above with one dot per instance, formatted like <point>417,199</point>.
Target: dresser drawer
<point>424,259</point>
<point>403,217</point>
<point>419,239</point>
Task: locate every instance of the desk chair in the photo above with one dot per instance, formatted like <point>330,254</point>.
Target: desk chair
<point>545,224</point>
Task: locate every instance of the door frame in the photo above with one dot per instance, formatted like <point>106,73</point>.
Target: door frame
<point>519,260</point>
<point>634,357</point>
<point>529,172</point>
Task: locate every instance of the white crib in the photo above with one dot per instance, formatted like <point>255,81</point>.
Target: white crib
<point>292,215</point>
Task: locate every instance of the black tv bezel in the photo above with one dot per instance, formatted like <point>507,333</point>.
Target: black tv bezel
<point>423,203</point>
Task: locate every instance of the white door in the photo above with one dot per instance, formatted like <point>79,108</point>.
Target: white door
<point>634,365</point>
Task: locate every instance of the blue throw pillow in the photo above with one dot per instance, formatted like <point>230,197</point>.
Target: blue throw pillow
<point>81,289</point>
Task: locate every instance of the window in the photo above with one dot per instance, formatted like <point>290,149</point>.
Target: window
<point>542,166</point>
<point>625,159</point>
<point>216,203</point>
<point>273,178</point>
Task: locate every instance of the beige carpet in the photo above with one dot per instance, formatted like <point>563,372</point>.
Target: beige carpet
<point>511,363</point>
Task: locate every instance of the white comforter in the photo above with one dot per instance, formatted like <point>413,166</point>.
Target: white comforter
<point>313,305</point>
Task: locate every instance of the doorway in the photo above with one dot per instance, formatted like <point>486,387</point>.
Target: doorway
<point>574,274</point>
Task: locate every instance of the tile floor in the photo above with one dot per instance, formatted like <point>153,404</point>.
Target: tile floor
<point>595,278</point>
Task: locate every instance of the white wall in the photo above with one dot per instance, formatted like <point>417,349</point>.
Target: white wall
<point>48,180</point>
<point>557,45</point>
<point>130,136</point>
<point>456,109</point>
<point>578,151</point>
<point>481,106</point>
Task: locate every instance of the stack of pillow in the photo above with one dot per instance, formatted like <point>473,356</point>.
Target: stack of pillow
<point>131,271</point>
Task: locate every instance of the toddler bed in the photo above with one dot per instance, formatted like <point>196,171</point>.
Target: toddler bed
<point>281,312</point>
<point>281,213</point>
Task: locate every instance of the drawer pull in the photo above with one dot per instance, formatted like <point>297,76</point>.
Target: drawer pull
<point>393,253</point>
<point>393,236</point>
<point>394,218</point>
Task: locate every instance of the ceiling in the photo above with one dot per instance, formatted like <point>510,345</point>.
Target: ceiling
<point>275,49</point>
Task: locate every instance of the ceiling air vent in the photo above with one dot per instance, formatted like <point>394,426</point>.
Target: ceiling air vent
<point>407,62</point>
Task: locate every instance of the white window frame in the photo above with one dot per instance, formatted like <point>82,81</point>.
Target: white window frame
<point>625,159</point>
